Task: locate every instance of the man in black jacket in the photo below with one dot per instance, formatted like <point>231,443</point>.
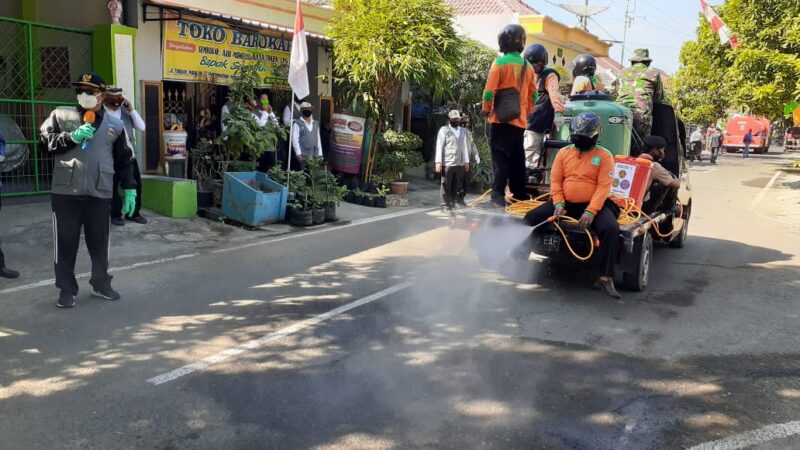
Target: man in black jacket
<point>89,148</point>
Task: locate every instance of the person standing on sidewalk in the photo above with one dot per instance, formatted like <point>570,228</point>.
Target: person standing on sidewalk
<point>5,272</point>
<point>89,146</point>
<point>306,140</point>
<point>548,103</point>
<point>474,159</point>
<point>118,106</point>
<point>508,99</point>
<point>452,158</point>
<point>747,140</point>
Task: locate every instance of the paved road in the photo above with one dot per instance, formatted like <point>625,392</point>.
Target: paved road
<point>390,335</point>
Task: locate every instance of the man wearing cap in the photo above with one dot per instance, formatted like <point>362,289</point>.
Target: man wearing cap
<point>665,190</point>
<point>306,140</point>
<point>452,158</point>
<point>89,147</point>
<point>118,106</point>
<point>640,87</point>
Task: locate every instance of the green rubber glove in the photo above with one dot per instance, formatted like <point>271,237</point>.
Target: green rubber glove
<point>84,132</point>
<point>129,206</point>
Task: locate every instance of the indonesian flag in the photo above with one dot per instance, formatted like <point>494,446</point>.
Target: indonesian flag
<point>298,74</point>
<point>718,26</point>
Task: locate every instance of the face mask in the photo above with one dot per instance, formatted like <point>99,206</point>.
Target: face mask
<point>583,143</point>
<point>265,103</point>
<point>307,113</point>
<point>455,124</point>
<point>87,101</point>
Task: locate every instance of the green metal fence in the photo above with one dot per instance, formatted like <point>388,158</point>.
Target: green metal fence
<point>37,64</point>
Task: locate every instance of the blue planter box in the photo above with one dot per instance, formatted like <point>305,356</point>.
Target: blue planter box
<point>244,201</point>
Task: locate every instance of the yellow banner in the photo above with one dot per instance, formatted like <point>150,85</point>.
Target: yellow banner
<point>203,52</point>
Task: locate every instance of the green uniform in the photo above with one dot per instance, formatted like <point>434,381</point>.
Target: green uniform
<point>639,88</point>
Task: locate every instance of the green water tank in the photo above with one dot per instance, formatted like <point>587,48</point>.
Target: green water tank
<point>615,121</point>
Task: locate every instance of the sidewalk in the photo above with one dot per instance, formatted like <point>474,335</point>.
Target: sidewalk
<point>27,235</point>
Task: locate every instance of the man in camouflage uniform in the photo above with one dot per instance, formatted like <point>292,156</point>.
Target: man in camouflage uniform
<point>639,88</point>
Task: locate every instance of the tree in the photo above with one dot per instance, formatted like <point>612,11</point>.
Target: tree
<point>759,77</point>
<point>466,87</point>
<point>380,44</point>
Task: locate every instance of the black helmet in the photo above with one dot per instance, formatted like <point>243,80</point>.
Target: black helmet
<point>584,130</point>
<point>511,39</point>
<point>584,65</point>
<point>536,53</point>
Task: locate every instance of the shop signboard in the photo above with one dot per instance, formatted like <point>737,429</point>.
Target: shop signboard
<point>347,143</point>
<point>210,53</point>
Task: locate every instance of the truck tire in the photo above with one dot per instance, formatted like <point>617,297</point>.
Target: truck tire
<point>680,240</point>
<point>637,279</point>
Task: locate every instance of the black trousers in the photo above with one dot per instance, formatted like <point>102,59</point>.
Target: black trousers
<point>116,200</point>
<point>71,213</point>
<point>508,161</point>
<point>661,197</point>
<point>453,180</point>
<point>605,227</point>
<point>2,258</point>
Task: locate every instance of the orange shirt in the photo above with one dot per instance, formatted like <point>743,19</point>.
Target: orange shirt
<point>505,73</point>
<point>581,177</point>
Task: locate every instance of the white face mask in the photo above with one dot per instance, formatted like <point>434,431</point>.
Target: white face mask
<point>87,101</point>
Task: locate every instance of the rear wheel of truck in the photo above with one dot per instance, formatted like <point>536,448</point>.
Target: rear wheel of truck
<point>680,240</point>
<point>638,278</point>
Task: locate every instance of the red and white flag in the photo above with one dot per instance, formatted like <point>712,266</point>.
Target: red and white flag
<point>298,73</point>
<point>718,26</point>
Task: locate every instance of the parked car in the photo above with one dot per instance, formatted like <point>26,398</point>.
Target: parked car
<point>791,142</point>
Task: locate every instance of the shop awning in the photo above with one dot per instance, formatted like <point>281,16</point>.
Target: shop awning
<point>271,14</point>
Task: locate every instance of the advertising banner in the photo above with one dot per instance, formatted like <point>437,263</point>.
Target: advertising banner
<point>347,143</point>
<point>203,52</point>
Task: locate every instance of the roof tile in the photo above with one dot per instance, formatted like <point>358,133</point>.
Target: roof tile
<point>485,7</point>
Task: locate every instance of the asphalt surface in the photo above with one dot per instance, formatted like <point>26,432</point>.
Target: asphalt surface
<point>441,354</point>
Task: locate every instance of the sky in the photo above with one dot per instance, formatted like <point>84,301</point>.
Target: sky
<point>662,26</point>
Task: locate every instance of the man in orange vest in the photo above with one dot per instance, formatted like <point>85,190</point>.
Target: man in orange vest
<point>507,101</point>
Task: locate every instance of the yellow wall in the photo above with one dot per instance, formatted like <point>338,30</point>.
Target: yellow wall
<point>562,42</point>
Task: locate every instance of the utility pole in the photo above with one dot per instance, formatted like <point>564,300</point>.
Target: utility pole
<point>627,24</point>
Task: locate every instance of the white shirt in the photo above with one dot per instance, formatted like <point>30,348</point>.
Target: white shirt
<point>263,117</point>
<point>440,143</point>
<point>696,136</point>
<point>296,138</point>
<point>138,124</point>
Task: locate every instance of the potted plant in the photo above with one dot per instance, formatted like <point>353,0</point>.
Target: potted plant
<point>380,197</point>
<point>358,197</point>
<point>299,210</point>
<point>397,152</point>
<point>205,170</point>
<point>369,200</point>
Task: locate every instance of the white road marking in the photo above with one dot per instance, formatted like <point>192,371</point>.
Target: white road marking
<point>766,189</point>
<point>290,236</point>
<point>747,439</point>
<point>266,339</point>
<point>52,281</point>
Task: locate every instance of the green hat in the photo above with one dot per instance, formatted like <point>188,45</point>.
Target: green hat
<point>641,55</point>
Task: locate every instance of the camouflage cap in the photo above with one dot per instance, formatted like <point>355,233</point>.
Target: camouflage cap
<point>641,55</point>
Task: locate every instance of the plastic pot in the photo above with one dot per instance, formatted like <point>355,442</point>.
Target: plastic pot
<point>358,198</point>
<point>369,201</point>
<point>318,216</point>
<point>205,199</point>
<point>330,212</point>
<point>300,217</point>
<point>380,202</point>
<point>349,197</point>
